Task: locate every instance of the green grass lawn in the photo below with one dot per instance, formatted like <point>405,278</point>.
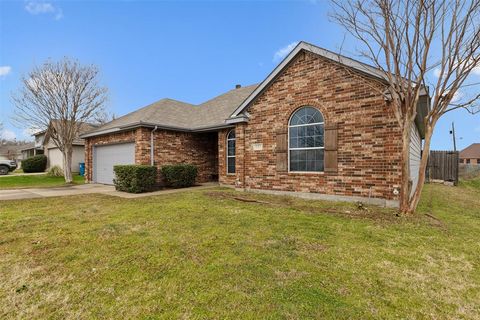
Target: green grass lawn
<point>35,181</point>
<point>203,255</point>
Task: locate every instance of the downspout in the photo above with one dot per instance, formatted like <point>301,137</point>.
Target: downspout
<point>152,162</point>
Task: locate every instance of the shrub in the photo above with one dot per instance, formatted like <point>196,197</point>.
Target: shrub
<point>134,178</point>
<point>36,163</point>
<point>179,175</point>
<point>55,171</point>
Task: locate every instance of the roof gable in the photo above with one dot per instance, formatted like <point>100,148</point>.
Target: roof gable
<point>361,67</point>
<point>354,64</point>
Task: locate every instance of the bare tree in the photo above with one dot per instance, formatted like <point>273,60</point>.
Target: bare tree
<point>409,40</point>
<point>104,118</point>
<point>59,97</point>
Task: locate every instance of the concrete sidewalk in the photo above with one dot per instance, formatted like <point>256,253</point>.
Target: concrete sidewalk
<point>16,194</point>
<point>11,174</point>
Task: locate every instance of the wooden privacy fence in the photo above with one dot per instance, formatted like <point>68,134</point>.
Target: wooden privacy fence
<point>443,165</point>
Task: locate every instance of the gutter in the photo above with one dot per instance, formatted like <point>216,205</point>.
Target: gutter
<point>98,133</point>
<point>156,127</point>
<point>237,119</point>
<point>152,162</point>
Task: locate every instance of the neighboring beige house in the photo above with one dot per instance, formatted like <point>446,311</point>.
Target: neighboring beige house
<point>45,145</point>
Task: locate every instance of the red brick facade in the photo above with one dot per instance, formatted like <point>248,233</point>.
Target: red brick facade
<point>369,145</point>
<point>368,135</point>
<point>170,147</point>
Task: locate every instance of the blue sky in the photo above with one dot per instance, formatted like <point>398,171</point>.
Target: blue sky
<point>190,51</point>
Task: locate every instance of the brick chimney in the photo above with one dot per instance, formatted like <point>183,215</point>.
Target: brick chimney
<point>238,86</point>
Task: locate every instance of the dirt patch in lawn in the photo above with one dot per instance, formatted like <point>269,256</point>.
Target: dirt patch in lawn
<point>349,210</point>
<point>313,207</point>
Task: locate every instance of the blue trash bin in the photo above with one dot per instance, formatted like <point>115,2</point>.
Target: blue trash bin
<point>82,168</point>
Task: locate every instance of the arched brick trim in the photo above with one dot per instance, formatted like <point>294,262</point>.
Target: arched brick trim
<point>297,104</point>
<point>313,105</point>
<point>281,126</point>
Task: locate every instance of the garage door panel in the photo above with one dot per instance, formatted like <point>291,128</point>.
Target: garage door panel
<point>110,155</point>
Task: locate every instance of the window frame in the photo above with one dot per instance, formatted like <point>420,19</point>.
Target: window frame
<point>310,148</point>
<point>227,139</point>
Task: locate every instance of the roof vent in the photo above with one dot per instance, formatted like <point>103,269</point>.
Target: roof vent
<point>238,86</point>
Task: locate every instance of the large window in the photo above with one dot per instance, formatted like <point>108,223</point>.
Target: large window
<point>231,151</point>
<point>305,140</point>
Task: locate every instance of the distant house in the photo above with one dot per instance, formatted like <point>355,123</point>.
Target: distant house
<point>471,154</point>
<point>45,145</point>
<point>30,150</point>
<point>313,128</point>
<point>12,151</point>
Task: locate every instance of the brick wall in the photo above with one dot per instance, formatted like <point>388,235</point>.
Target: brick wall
<point>170,148</point>
<point>199,149</point>
<point>236,179</point>
<point>368,136</point>
<point>470,160</point>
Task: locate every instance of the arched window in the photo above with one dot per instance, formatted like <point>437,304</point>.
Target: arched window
<point>305,140</point>
<point>231,152</point>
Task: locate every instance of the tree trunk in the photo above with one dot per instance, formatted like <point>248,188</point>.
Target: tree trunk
<point>67,164</point>
<point>405,186</point>
<point>422,171</point>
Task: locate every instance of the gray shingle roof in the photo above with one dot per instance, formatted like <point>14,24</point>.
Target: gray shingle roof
<point>84,127</point>
<point>169,113</point>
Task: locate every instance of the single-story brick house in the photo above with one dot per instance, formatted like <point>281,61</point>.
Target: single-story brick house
<point>471,154</point>
<point>315,127</point>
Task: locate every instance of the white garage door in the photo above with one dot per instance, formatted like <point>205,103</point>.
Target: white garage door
<point>105,157</point>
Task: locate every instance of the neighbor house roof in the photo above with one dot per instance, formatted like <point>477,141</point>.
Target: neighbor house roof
<point>470,152</point>
<point>177,115</point>
<point>83,128</point>
<point>230,107</point>
<point>10,149</point>
<point>28,146</point>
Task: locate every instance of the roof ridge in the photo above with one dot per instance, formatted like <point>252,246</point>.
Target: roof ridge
<point>227,92</point>
<point>176,100</point>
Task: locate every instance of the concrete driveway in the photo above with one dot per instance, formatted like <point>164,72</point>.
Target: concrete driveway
<point>15,194</point>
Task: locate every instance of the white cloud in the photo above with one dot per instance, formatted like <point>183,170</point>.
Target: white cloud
<point>28,132</point>
<point>283,52</point>
<point>8,134</point>
<point>457,96</point>
<point>476,70</point>
<point>39,7</point>
<point>4,70</point>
